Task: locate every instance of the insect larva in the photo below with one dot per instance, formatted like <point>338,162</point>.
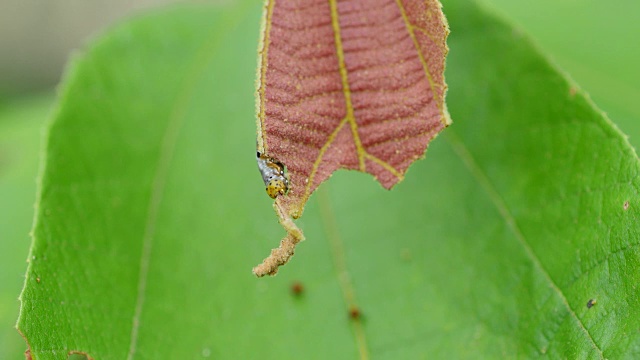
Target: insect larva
<point>273,175</point>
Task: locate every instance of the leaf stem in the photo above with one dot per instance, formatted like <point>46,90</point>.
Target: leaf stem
<point>280,255</point>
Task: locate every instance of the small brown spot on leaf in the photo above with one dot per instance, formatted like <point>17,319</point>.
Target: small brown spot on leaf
<point>626,205</point>
<point>38,280</point>
<point>591,302</point>
<point>573,91</point>
<point>355,313</point>
<point>297,289</point>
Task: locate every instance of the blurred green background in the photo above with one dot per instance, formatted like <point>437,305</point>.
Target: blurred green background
<point>594,42</point>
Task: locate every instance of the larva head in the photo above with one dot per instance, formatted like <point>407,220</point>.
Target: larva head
<point>276,186</point>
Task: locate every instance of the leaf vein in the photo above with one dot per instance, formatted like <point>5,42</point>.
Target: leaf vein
<point>410,30</point>
<point>340,263</point>
<point>476,171</point>
<point>345,83</point>
<point>168,143</point>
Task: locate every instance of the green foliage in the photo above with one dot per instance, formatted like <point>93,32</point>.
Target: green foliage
<point>151,208</point>
<point>20,123</point>
<point>590,40</point>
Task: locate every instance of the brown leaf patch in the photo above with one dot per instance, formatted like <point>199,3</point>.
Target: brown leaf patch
<point>353,84</point>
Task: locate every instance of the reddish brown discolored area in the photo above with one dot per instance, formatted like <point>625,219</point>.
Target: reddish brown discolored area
<point>395,108</point>
<point>355,84</point>
<point>303,96</point>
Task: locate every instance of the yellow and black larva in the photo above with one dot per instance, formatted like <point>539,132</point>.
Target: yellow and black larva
<point>273,175</point>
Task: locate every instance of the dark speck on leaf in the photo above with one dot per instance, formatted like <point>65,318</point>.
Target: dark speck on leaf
<point>297,289</point>
<point>354,313</point>
<point>590,303</point>
<point>573,91</point>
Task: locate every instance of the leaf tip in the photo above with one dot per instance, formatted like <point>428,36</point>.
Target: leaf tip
<point>280,255</point>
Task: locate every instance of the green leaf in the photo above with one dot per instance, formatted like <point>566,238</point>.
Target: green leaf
<point>609,74</point>
<point>152,213</point>
<point>20,124</point>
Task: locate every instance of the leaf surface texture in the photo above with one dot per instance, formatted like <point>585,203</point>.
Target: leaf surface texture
<point>150,211</point>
